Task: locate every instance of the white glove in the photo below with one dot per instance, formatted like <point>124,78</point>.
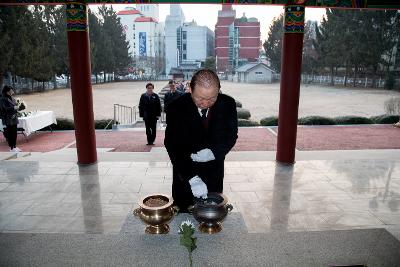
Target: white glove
<point>199,188</point>
<point>203,155</point>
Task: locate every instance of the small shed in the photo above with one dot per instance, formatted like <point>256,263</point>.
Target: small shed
<point>184,71</point>
<point>176,74</point>
<point>256,72</point>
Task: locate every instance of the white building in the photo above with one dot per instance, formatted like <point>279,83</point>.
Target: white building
<point>173,21</point>
<point>149,10</point>
<point>254,72</point>
<point>195,43</point>
<point>146,38</point>
<point>127,17</point>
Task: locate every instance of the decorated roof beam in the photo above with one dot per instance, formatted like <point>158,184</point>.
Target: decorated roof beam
<point>373,4</point>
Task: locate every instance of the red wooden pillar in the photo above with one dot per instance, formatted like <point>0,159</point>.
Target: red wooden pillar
<point>290,82</point>
<point>81,87</point>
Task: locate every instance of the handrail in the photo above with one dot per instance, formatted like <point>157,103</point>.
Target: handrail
<point>124,115</point>
<point>108,124</point>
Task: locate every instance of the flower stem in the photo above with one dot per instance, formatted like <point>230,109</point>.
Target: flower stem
<point>190,259</point>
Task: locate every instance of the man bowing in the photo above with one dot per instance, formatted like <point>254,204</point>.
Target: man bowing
<point>201,130</point>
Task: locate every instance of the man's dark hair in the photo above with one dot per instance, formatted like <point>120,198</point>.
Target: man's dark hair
<point>6,89</point>
<point>206,78</point>
<point>170,82</point>
<point>149,85</point>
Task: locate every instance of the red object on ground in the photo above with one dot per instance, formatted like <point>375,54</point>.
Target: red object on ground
<point>40,141</point>
<point>250,139</point>
<point>255,139</point>
<point>348,137</point>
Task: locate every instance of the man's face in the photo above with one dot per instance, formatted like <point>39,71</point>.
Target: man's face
<point>11,92</point>
<point>149,89</point>
<point>172,87</point>
<point>205,97</point>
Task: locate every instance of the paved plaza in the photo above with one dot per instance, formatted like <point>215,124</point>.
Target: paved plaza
<point>261,99</point>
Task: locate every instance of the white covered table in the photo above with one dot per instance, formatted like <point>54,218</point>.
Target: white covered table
<point>35,121</point>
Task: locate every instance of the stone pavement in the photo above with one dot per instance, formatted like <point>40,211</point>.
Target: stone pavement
<point>374,247</point>
<point>48,192</point>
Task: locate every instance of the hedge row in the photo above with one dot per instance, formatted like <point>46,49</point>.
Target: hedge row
<point>343,120</point>
<point>247,123</point>
<point>68,124</point>
<point>244,115</point>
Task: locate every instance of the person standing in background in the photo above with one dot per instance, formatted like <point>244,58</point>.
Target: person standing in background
<point>150,111</point>
<point>8,113</point>
<point>171,95</point>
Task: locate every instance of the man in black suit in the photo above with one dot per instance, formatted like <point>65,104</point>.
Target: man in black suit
<point>171,95</point>
<point>201,130</point>
<point>150,111</point>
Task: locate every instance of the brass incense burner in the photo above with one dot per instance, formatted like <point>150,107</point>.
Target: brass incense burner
<point>211,212</point>
<point>156,211</point>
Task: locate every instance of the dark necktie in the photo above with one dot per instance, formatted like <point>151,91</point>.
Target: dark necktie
<point>204,114</point>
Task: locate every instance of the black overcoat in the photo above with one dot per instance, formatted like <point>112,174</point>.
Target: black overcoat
<point>186,134</point>
<point>149,106</point>
<point>169,97</point>
<point>8,113</point>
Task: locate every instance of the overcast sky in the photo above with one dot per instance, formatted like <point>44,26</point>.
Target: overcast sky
<point>206,14</point>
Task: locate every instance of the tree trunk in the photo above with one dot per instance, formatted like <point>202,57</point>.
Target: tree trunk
<point>1,79</point>
<point>97,80</point>
<point>105,77</point>
<point>32,85</point>
<point>332,72</point>
<point>374,70</point>
<point>55,82</point>
<point>355,75</point>
<point>68,85</point>
<point>346,73</point>
<point>43,88</point>
<point>13,81</point>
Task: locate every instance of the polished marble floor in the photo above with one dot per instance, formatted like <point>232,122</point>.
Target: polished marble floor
<point>312,195</point>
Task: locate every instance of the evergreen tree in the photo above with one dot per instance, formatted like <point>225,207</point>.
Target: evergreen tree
<point>41,54</point>
<point>114,43</point>
<point>328,42</point>
<point>273,45</point>
<point>309,61</point>
<point>210,63</point>
<point>60,43</point>
<point>16,24</point>
<point>358,40</point>
<point>5,44</point>
<point>96,44</point>
<point>379,39</point>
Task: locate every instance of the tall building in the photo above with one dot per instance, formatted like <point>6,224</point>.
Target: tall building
<point>237,41</point>
<point>146,38</point>
<point>226,17</point>
<point>149,10</point>
<point>127,18</point>
<point>195,43</point>
<point>245,43</point>
<point>149,50</point>
<point>173,21</point>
